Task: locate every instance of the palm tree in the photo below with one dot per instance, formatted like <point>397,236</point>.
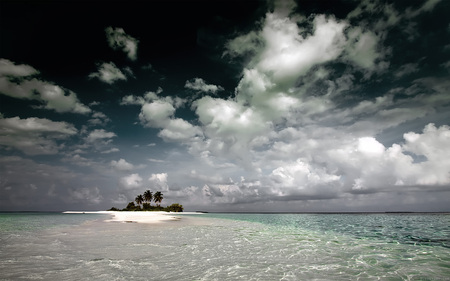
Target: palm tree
<point>148,196</point>
<point>158,197</point>
<point>139,199</point>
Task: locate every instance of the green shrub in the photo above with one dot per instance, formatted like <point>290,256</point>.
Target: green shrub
<point>175,208</point>
<point>130,207</point>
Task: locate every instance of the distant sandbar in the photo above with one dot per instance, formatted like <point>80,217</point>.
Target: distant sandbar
<point>135,216</point>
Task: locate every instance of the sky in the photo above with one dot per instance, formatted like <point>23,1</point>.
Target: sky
<point>230,106</point>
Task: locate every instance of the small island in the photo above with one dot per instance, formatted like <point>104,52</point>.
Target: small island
<point>146,199</point>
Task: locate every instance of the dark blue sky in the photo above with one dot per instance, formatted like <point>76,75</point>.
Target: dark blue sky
<point>225,105</point>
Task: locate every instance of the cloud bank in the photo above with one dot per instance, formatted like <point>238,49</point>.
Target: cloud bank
<point>287,128</point>
<point>297,111</point>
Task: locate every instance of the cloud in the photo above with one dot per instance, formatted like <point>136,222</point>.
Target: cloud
<point>179,130</point>
<point>229,127</point>
<point>215,179</point>
<point>388,17</point>
<point>132,100</point>
<point>293,130</point>
<point>158,112</point>
<point>383,168</point>
<point>158,182</point>
<point>98,119</point>
<point>246,44</point>
<point>99,140</point>
<point>148,97</point>
<point>10,69</point>
<point>284,8</point>
<point>108,73</point>
<point>131,181</point>
<point>28,185</point>
<point>227,193</point>
<point>407,69</point>
<point>112,150</point>
<point>363,50</point>
<point>34,136</point>
<point>305,168</point>
<point>199,84</point>
<point>86,195</point>
<point>287,54</point>
<point>290,56</point>
<point>432,144</point>
<point>99,134</point>
<point>79,160</point>
<point>295,133</point>
<point>281,51</point>
<point>122,165</point>
<point>119,40</point>
<point>156,160</point>
<point>36,125</point>
<point>298,176</point>
<point>16,81</point>
<point>426,7</point>
<point>287,65</point>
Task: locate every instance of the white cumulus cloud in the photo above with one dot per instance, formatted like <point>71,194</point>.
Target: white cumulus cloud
<point>122,165</point>
<point>131,181</point>
<point>158,182</point>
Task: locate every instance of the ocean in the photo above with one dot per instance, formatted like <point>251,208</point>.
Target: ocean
<point>213,246</point>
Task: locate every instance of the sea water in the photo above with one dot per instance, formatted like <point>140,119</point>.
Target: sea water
<point>52,246</point>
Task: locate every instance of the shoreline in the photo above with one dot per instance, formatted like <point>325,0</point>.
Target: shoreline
<point>137,216</point>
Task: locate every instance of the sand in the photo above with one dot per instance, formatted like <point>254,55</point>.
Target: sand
<point>139,217</point>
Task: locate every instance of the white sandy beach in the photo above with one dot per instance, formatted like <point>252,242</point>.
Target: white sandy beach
<point>139,217</point>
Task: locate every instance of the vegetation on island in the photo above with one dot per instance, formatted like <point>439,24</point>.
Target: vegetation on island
<point>146,199</point>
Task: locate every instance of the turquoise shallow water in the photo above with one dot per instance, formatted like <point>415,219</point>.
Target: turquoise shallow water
<point>226,247</point>
<point>407,228</point>
<point>18,222</point>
